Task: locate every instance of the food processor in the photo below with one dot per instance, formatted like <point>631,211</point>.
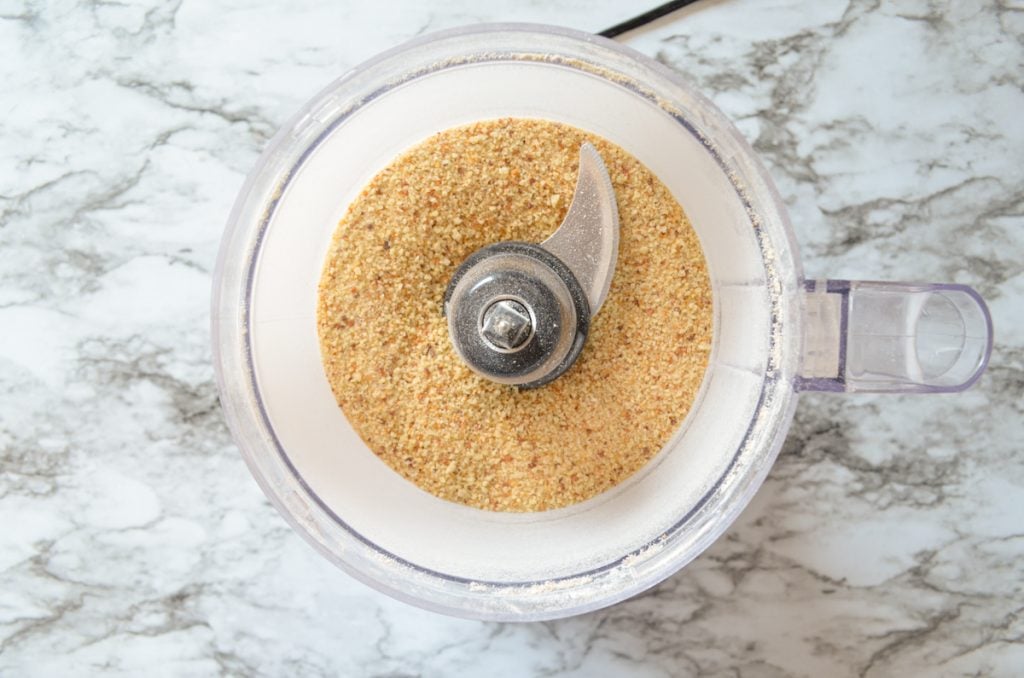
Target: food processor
<point>776,333</point>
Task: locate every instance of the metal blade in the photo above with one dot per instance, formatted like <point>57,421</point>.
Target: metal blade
<point>588,239</point>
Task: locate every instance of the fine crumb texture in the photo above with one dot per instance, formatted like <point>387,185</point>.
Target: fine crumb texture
<point>392,368</point>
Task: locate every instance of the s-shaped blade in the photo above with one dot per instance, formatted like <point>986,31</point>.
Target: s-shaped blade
<point>519,313</point>
<point>588,239</point>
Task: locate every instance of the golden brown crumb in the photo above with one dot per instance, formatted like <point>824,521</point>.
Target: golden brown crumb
<point>385,344</point>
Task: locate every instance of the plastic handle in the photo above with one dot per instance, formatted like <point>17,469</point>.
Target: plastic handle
<point>881,337</point>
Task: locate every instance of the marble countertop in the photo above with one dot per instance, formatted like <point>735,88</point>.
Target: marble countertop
<point>888,539</point>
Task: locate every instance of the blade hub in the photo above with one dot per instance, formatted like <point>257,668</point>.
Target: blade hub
<point>518,313</point>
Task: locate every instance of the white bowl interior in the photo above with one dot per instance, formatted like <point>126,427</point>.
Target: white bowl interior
<point>390,512</point>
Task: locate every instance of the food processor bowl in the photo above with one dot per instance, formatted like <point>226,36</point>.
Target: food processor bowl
<point>463,561</point>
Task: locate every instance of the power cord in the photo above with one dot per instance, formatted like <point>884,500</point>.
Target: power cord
<point>645,18</point>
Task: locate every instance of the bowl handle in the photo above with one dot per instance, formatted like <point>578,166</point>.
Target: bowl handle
<point>885,337</point>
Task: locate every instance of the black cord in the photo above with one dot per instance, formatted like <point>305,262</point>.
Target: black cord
<point>645,18</point>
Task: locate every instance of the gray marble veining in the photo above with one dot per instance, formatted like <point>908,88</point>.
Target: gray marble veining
<point>888,539</point>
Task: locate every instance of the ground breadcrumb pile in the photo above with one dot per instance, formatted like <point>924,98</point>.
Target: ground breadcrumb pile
<point>385,344</point>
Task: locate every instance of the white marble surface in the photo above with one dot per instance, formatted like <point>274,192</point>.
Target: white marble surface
<point>888,540</point>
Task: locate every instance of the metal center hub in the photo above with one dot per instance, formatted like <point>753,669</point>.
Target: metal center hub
<point>507,325</point>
